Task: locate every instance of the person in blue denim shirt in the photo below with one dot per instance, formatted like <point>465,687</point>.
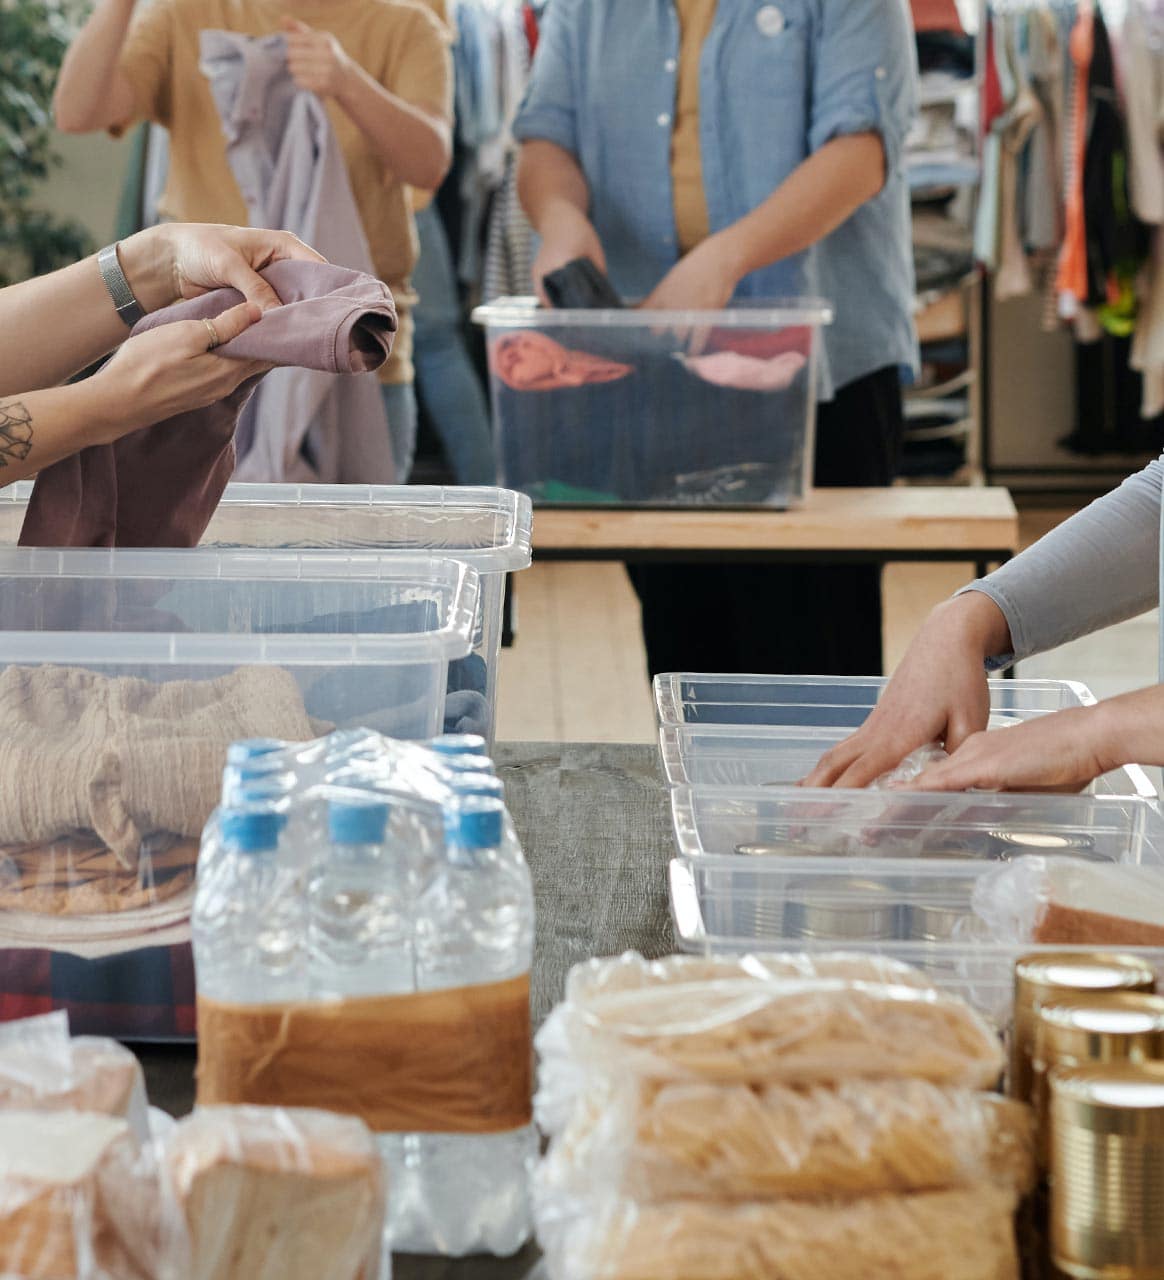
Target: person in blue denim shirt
<point>705,150</point>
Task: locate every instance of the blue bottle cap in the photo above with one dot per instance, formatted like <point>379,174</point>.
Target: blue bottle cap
<point>479,784</point>
<point>475,822</point>
<point>467,764</point>
<point>251,830</point>
<point>458,744</point>
<point>252,749</point>
<point>357,821</point>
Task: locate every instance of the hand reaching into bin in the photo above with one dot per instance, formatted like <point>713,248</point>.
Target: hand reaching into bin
<point>938,694</point>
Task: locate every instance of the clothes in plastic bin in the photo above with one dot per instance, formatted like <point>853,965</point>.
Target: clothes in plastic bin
<point>656,408</point>
<point>488,529</point>
<point>124,676</point>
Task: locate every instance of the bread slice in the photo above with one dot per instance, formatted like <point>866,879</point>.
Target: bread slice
<point>84,1074</point>
<point>274,1194</point>
<point>1100,904</point>
<point>66,1180</point>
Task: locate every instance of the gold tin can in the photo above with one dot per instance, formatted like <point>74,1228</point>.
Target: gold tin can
<point>1082,1030</point>
<point>1043,976</point>
<point>1107,1171</point>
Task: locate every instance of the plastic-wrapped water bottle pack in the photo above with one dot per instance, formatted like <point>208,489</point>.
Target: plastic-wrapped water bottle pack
<point>363,934</point>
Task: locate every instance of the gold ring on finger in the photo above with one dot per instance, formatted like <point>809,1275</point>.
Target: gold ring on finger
<point>215,340</point>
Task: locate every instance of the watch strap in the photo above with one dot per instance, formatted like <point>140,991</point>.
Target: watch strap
<point>128,307</point>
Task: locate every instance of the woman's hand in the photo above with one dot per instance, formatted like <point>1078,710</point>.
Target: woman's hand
<point>1060,752</point>
<point>939,693</point>
<point>169,370</point>
<point>186,260</point>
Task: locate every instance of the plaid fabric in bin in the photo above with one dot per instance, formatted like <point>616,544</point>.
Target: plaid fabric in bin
<point>146,994</point>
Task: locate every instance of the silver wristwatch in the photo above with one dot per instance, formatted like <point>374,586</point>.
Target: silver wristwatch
<point>128,307</point>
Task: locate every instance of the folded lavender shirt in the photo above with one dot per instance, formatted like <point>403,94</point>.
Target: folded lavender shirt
<point>159,487</point>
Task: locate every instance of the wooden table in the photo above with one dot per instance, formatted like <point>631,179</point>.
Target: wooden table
<point>835,525</point>
<point>595,826</point>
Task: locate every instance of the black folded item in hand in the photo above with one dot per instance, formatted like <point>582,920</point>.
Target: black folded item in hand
<point>580,286</point>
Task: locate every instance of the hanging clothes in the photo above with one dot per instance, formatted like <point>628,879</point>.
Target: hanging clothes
<point>1072,277</point>
<point>303,426</point>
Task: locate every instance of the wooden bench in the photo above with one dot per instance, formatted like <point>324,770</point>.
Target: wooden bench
<point>877,526</point>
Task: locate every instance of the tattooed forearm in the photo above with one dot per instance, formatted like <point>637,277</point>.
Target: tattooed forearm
<point>15,433</point>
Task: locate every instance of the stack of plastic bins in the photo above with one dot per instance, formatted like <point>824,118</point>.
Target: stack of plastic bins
<point>488,529</point>
<point>889,873</point>
<point>742,731</point>
<point>656,408</point>
<point>123,676</point>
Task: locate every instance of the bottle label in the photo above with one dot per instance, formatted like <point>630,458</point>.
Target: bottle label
<point>452,1061</point>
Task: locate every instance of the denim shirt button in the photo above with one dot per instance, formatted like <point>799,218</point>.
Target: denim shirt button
<point>670,66</point>
<point>769,21</point>
<point>880,73</point>
<point>664,120</point>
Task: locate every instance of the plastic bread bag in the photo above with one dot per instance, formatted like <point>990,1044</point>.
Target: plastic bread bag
<point>965,1234</point>
<point>267,1193</point>
<point>657,1142</point>
<point>760,1030</point>
<point>78,1200</point>
<point>1067,901</point>
<point>43,1069</point>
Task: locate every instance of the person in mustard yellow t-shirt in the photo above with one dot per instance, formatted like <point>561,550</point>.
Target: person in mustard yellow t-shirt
<point>384,69</point>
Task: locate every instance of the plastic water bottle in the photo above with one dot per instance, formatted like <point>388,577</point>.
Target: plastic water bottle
<point>361,897</point>
<point>459,744</point>
<point>460,1193</point>
<point>249,918</point>
<point>488,785</point>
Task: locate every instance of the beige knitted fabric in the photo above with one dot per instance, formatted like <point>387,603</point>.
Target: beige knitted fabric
<point>124,757</point>
<point>653,1143</point>
<point>942,1235</point>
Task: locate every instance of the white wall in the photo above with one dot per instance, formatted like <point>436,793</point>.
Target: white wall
<point>87,186</point>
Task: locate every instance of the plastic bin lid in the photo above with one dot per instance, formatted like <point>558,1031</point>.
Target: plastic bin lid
<point>451,582</point>
<point>489,528</point>
<point>748,313</point>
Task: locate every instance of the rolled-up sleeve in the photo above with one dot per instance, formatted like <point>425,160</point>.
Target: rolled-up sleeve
<point>864,74</point>
<point>549,112</point>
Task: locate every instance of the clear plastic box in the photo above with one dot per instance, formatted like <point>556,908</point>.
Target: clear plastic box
<point>123,677</point>
<point>768,756</point>
<point>828,702</point>
<point>890,874</point>
<point>488,529</point>
<point>656,408</point>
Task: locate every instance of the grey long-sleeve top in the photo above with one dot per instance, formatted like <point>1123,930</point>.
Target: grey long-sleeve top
<point>1100,567</point>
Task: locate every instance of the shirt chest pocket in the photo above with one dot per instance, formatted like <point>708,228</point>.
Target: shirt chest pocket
<point>767,48</point>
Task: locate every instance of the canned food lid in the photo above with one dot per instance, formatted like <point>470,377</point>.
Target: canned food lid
<point>1045,841</point>
<point>1120,1088</point>
<point>1037,975</point>
<point>1099,1026</point>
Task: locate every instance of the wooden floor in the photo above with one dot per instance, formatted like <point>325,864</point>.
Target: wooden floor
<point>577,672</point>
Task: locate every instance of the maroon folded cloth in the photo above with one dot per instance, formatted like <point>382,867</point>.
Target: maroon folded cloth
<point>159,487</point>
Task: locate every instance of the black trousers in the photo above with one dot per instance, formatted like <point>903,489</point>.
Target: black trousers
<point>785,619</point>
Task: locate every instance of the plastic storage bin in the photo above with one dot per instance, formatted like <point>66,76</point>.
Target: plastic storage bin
<point>123,677</point>
<point>488,529</point>
<point>828,702</point>
<point>874,872</point>
<point>655,408</point>
<point>768,756</point>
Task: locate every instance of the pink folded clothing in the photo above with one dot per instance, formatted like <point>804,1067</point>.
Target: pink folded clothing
<point>763,344</point>
<point>159,487</point>
<point>746,373</point>
<point>529,361</point>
